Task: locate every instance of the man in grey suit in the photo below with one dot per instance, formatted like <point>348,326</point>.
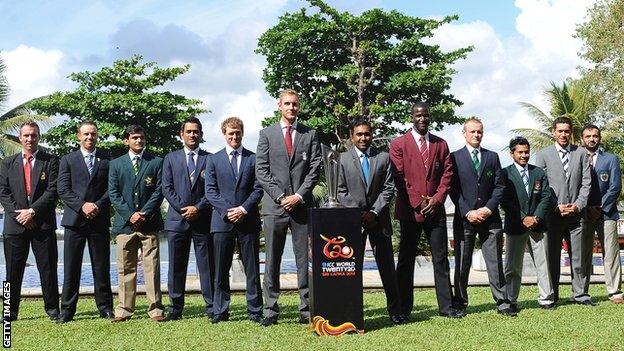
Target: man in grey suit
<point>366,182</point>
<point>570,179</point>
<point>288,162</point>
<point>602,213</point>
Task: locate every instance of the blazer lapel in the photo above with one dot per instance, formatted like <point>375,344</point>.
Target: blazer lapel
<point>372,157</point>
<point>358,167</point>
<point>18,169</point>
<point>433,148</point>
<point>465,154</point>
<point>199,165</point>
<point>414,145</point>
<point>296,142</point>
<point>482,163</point>
<point>36,173</point>
<point>523,197</point>
<point>96,166</point>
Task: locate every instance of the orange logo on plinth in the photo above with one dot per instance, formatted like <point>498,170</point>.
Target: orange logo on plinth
<point>334,248</point>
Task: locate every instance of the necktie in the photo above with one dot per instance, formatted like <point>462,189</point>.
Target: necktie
<point>565,162</point>
<point>234,163</point>
<point>190,165</point>
<point>288,140</point>
<point>525,180</point>
<point>135,164</point>
<point>27,169</point>
<point>424,151</point>
<point>475,160</point>
<point>590,158</point>
<point>90,164</point>
<point>365,167</point>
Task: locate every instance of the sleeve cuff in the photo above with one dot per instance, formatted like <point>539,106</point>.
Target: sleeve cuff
<point>242,209</point>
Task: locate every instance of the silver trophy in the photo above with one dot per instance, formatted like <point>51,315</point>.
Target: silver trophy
<point>331,163</point>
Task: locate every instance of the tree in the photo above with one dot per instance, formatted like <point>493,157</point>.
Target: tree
<point>116,97</point>
<point>11,120</point>
<point>375,66</point>
<point>603,47</point>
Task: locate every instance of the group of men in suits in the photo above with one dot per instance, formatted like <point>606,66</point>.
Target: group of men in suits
<point>214,202</point>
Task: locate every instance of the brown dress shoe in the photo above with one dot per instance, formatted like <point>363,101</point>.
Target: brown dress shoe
<point>617,300</point>
<point>158,318</point>
<point>119,319</point>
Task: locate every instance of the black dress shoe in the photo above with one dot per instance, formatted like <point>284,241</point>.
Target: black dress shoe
<point>514,309</point>
<point>587,302</point>
<point>549,306</point>
<point>53,314</point>
<point>107,314</point>
<point>218,318</point>
<point>269,321</point>
<point>256,318</point>
<point>507,312</point>
<point>396,320</point>
<point>453,314</point>
<point>304,320</point>
<point>64,318</point>
<point>173,317</point>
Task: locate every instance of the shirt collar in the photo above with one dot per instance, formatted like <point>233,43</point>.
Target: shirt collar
<point>187,150</point>
<point>283,124</point>
<point>418,135</point>
<point>559,148</point>
<point>470,148</point>
<point>132,154</point>
<point>360,153</point>
<point>34,154</point>
<point>229,149</point>
<point>85,153</point>
<point>520,168</point>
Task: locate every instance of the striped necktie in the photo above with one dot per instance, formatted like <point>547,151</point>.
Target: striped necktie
<point>424,151</point>
<point>90,164</point>
<point>565,161</point>
<point>190,165</point>
<point>135,164</point>
<point>525,180</point>
<point>475,160</point>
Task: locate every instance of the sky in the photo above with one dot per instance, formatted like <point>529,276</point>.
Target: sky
<point>519,48</point>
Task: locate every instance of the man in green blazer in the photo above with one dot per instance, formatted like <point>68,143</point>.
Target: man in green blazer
<point>135,193</point>
<point>526,201</point>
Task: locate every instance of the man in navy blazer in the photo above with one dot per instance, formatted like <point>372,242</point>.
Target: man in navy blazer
<point>602,214</point>
<point>234,193</point>
<point>83,186</point>
<point>476,190</point>
<point>188,218</point>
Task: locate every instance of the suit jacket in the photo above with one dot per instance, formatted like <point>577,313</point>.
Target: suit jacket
<point>518,204</point>
<point>43,191</point>
<point>413,180</point>
<point>470,191</point>
<point>75,187</point>
<point>564,191</point>
<point>180,192</point>
<point>224,191</point>
<point>606,184</point>
<point>374,196</point>
<point>282,175</point>
<point>130,193</point>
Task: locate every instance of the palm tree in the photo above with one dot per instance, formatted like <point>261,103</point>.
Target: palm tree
<point>11,120</point>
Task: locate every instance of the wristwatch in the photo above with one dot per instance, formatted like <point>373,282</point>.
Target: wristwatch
<point>31,212</point>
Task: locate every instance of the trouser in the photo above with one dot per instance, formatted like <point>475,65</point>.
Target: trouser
<point>608,236</point>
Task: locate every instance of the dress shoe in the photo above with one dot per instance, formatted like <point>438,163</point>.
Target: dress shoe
<point>53,314</point>
<point>158,318</point>
<point>173,316</point>
<point>269,321</point>
<point>453,313</point>
<point>587,302</point>
<point>256,318</point>
<point>64,318</point>
<point>514,308</point>
<point>107,314</point>
<point>304,320</point>
<point>548,306</point>
<point>119,319</point>
<point>396,320</point>
<point>617,300</point>
<point>507,312</point>
<point>218,318</point>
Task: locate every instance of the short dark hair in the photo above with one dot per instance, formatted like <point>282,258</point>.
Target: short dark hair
<point>589,127</point>
<point>562,120</point>
<point>85,123</point>
<point>133,129</point>
<point>30,123</point>
<point>194,120</point>
<point>519,140</point>
<point>420,104</point>
<point>359,122</point>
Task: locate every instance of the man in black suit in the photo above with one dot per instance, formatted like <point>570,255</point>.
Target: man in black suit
<point>476,190</point>
<point>188,218</point>
<point>366,182</point>
<point>83,187</point>
<point>28,195</point>
<point>234,192</point>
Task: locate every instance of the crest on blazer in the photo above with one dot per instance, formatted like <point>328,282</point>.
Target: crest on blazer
<point>488,173</point>
<point>604,176</point>
<point>149,181</point>
<point>43,176</point>
<point>202,174</point>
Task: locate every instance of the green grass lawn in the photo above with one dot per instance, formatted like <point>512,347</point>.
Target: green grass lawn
<point>569,327</point>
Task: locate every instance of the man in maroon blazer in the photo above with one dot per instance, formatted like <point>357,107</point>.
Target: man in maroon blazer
<point>422,174</point>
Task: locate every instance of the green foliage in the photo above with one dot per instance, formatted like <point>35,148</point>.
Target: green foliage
<point>374,65</point>
<point>603,47</point>
<point>127,92</point>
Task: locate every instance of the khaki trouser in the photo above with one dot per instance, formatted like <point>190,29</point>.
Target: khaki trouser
<point>128,246</point>
<point>608,236</point>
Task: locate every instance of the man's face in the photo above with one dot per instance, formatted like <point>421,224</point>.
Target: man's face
<point>87,135</point>
<point>420,118</point>
<point>591,139</point>
<point>362,137</point>
<point>136,142</point>
<point>473,133</point>
<point>29,138</point>
<point>233,136</point>
<point>562,132</point>
<point>521,155</point>
<point>191,135</point>
<point>289,107</point>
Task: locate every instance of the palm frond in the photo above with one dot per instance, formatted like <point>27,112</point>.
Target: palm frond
<point>12,124</point>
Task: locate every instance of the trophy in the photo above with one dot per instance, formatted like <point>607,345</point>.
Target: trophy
<point>331,163</point>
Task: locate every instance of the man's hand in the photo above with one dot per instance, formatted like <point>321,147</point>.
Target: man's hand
<point>429,206</point>
<point>567,210</point>
<point>530,222</point>
<point>484,212</point>
<point>369,219</point>
<point>290,202</point>
<point>594,213</point>
<point>137,220</point>
<point>90,210</point>
<point>189,213</point>
<point>23,216</point>
<point>474,217</point>
<point>235,214</point>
